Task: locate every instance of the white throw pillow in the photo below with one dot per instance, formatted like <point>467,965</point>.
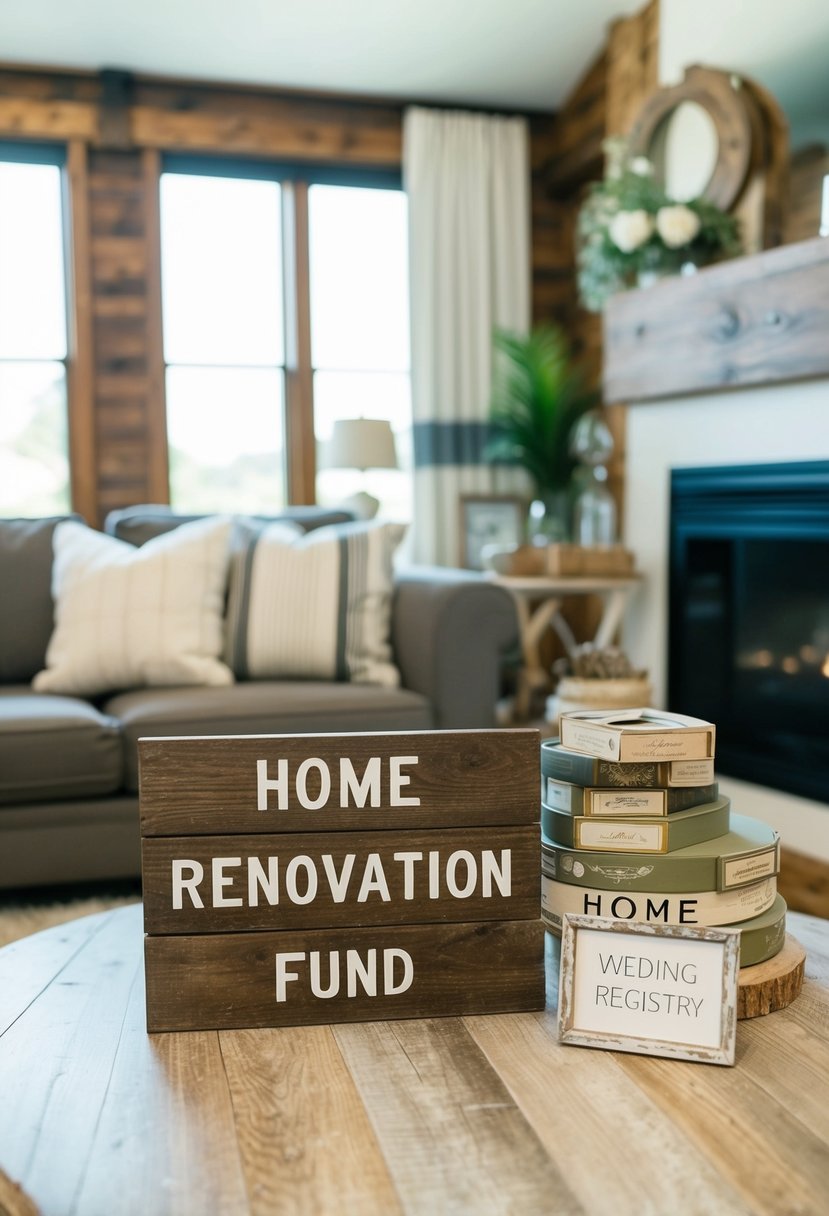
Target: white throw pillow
<point>128,618</point>
<point>314,606</point>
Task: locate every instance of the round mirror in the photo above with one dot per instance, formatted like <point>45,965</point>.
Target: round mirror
<point>684,150</point>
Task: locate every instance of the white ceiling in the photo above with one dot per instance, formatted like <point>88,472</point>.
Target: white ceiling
<point>519,54</point>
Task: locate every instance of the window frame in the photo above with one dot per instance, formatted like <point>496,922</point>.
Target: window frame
<point>295,179</point>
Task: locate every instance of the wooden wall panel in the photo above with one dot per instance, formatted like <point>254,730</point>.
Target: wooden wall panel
<point>807,170</point>
<point>120,337</point>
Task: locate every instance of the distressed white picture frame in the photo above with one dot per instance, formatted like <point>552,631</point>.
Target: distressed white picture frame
<point>714,955</point>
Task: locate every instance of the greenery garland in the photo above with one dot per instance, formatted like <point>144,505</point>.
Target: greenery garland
<point>628,225</point>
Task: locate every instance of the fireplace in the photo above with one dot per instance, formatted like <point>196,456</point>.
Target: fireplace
<point>749,617</point>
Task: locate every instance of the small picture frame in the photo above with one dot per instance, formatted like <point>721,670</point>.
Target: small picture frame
<point>489,519</point>
<point>658,990</point>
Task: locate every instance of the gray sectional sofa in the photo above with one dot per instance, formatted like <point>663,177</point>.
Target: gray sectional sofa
<point>68,767</point>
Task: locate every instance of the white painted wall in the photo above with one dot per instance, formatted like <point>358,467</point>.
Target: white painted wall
<point>783,46</point>
<point>744,426</point>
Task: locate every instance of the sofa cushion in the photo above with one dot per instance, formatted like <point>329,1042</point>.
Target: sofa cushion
<point>139,524</point>
<point>55,747</point>
<point>262,707</point>
<point>26,614</point>
<point>313,607</point>
<point>127,618</point>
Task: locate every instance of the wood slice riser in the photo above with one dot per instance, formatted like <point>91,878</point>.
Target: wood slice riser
<point>771,985</point>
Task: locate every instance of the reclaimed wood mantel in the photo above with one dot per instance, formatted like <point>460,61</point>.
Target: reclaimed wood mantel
<point>752,321</point>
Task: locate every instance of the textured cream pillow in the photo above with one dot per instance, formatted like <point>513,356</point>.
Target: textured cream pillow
<point>128,618</point>
<point>315,606</point>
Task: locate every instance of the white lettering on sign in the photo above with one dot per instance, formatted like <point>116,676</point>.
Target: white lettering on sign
<point>220,881</point>
<point>360,790</point>
<point>354,790</point>
<point>362,975</point>
<point>311,881</point>
<point>189,883</point>
<point>304,879</point>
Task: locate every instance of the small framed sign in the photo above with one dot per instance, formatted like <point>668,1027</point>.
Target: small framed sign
<point>489,520</point>
<point>660,990</point>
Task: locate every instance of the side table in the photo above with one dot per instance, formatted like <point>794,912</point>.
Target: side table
<point>539,601</point>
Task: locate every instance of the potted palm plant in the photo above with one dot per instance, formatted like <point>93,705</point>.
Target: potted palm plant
<point>537,397</point>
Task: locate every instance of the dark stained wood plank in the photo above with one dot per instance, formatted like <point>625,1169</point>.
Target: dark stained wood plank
<point>277,136</point>
<point>113,108</point>
<point>303,1133</point>
<point>80,366</point>
<point>48,84</point>
<point>28,118</point>
<point>193,785</point>
<point>300,440</point>
<point>807,170</point>
<point>236,980</point>
<point>500,870</point>
<point>158,472</point>
<point>452,1135</point>
<point>165,1143</point>
<point>632,67</point>
<point>804,882</point>
<point>755,320</point>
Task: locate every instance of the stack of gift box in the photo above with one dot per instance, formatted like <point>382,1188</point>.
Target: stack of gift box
<point>633,828</point>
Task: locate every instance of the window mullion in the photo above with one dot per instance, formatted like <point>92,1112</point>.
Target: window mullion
<point>299,381</point>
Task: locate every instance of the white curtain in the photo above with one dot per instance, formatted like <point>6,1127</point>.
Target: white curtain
<point>467,179</point>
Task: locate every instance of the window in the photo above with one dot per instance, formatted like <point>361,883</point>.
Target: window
<point>34,443</point>
<point>360,332</point>
<point>231,320</point>
<point>223,341</point>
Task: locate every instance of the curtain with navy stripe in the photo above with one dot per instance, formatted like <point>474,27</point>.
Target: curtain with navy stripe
<point>467,179</point>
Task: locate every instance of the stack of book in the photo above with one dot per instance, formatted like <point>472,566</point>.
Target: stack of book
<point>633,828</point>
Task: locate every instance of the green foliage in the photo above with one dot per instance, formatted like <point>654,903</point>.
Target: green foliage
<point>537,396</point>
<point>630,187</point>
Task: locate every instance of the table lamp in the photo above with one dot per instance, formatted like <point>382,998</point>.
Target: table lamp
<point>361,443</point>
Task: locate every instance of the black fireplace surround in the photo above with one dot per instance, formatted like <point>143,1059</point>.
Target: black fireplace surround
<point>749,618</point>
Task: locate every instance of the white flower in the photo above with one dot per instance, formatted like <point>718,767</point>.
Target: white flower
<point>630,229</point>
<point>677,225</point>
<point>641,166</point>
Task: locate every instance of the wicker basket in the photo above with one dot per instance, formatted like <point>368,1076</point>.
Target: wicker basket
<point>627,692</point>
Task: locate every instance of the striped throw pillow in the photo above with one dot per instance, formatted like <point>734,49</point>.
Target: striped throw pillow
<point>314,606</point>
<point>134,618</point>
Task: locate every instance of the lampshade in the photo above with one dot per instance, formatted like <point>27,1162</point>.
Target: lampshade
<point>361,443</point>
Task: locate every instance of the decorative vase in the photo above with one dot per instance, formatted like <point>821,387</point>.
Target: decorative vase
<point>594,514</point>
<point>549,518</point>
<point>573,692</point>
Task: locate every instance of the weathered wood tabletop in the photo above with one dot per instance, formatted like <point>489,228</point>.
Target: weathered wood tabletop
<point>454,1115</point>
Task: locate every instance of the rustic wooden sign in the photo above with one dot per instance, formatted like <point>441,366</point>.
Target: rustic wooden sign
<point>661,990</point>
<point>234,980</point>
<point>300,879</point>
<point>221,884</point>
<point>338,783</point>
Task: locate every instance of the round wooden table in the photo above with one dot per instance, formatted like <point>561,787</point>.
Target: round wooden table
<point>457,1115</point>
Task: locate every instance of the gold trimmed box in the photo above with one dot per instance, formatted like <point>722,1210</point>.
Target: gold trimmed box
<point>611,834</point>
<point>626,803</point>
<point>563,764</point>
